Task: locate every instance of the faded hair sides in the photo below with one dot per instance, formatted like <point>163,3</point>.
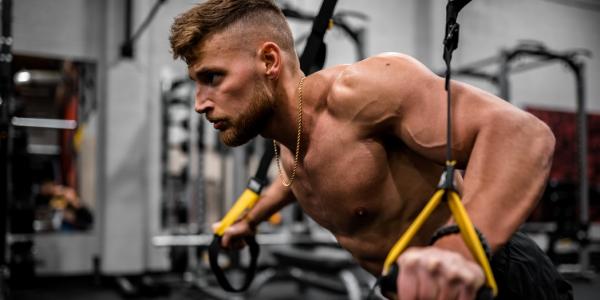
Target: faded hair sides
<point>195,25</point>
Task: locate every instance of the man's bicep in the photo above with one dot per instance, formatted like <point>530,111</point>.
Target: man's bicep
<point>421,125</point>
<point>424,128</point>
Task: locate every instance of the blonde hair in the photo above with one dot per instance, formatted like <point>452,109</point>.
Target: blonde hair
<point>262,17</point>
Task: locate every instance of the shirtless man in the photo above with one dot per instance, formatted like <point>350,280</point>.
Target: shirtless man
<point>363,147</point>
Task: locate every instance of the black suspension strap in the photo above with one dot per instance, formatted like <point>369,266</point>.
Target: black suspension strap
<point>446,189</point>
<point>313,56</point>
<point>312,60</point>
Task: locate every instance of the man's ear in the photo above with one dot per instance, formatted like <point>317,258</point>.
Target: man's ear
<point>270,59</point>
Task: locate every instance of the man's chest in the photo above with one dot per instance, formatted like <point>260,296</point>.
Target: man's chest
<point>342,180</point>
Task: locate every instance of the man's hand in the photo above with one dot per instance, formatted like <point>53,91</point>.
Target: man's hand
<point>233,237</point>
<point>433,273</point>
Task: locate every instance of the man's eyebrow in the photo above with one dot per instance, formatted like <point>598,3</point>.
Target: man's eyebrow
<point>195,74</point>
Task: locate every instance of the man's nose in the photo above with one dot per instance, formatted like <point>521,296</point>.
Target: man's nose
<point>202,104</point>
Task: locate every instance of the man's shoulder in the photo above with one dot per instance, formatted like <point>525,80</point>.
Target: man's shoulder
<point>375,71</point>
<point>370,89</point>
<point>386,60</point>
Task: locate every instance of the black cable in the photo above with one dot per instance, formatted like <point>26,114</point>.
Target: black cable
<point>587,5</point>
<point>146,22</point>
<point>339,20</point>
<point>450,44</point>
<point>127,46</point>
<point>128,13</point>
<point>448,115</point>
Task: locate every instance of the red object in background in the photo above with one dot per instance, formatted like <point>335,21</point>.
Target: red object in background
<point>68,155</point>
<point>565,166</point>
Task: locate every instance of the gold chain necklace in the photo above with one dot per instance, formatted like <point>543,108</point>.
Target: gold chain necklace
<point>284,181</point>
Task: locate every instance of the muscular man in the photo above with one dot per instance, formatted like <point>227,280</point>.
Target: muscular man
<point>361,150</point>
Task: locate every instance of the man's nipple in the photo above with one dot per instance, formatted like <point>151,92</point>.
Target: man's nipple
<point>361,212</point>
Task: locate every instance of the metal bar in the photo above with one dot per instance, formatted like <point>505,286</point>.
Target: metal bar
<point>482,63</point>
<point>39,149</point>
<point>262,239</point>
<point>44,123</point>
<point>523,67</point>
<point>540,52</point>
<point>476,74</point>
<point>128,18</point>
<point>582,143</point>
<point>37,77</point>
<point>503,73</point>
<point>5,95</point>
<point>127,45</point>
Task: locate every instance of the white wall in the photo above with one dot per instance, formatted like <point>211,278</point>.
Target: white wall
<point>416,27</point>
<point>132,135</point>
<point>386,30</point>
<point>62,28</point>
<point>488,26</point>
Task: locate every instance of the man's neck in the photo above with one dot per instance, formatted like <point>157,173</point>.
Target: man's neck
<point>284,125</point>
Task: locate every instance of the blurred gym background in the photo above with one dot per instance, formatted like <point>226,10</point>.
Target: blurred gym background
<point>110,181</point>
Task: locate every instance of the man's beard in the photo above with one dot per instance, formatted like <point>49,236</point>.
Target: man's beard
<point>250,122</point>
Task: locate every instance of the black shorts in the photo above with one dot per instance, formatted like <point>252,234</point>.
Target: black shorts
<point>523,271</point>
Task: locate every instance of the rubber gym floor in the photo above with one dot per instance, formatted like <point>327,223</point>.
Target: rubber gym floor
<point>89,288</point>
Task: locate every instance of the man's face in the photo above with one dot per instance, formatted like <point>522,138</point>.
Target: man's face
<point>229,90</point>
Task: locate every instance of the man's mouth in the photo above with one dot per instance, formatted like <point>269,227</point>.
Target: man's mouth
<point>218,124</point>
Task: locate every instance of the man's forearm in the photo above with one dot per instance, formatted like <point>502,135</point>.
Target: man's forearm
<point>506,175</point>
<point>272,200</point>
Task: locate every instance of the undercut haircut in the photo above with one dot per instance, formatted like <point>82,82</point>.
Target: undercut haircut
<point>261,19</point>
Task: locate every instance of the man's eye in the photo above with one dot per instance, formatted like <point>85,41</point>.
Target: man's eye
<point>211,78</point>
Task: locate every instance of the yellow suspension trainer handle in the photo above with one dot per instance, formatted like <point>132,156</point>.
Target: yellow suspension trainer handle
<point>245,202</point>
<point>467,231</point>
